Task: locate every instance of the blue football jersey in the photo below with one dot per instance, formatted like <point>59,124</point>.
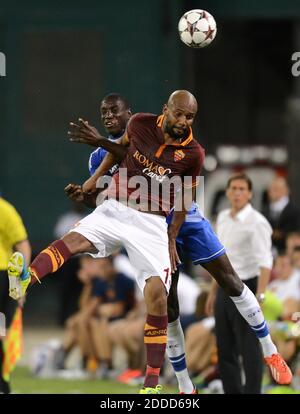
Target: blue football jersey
<point>98,156</point>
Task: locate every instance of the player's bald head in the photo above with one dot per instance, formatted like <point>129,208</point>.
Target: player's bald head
<point>179,114</point>
<point>183,99</point>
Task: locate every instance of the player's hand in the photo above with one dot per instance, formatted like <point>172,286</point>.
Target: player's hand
<point>83,133</point>
<point>174,257</point>
<point>74,192</point>
<point>89,186</point>
<point>210,303</point>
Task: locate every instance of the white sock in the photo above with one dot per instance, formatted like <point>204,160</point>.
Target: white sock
<point>176,354</point>
<point>250,310</point>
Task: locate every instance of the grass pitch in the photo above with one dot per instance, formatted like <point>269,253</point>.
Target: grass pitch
<point>23,382</point>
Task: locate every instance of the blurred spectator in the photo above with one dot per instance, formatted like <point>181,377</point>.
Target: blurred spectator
<point>286,285</point>
<point>292,241</point>
<point>128,334</point>
<point>113,297</point>
<point>85,274</point>
<point>283,300</point>
<point>280,212</point>
<point>296,258</point>
<point>67,220</point>
<point>200,339</point>
<point>188,295</point>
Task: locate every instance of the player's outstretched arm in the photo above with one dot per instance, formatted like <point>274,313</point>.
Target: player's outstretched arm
<point>83,133</point>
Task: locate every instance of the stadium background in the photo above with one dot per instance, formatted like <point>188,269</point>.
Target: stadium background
<point>62,57</point>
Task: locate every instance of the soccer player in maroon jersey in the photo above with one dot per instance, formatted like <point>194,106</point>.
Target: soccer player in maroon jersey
<point>154,144</point>
<point>115,114</point>
<point>159,148</point>
<point>202,246</point>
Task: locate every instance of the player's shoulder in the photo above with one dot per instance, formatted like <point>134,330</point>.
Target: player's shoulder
<point>6,208</point>
<point>143,117</point>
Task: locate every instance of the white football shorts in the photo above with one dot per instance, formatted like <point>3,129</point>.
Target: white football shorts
<point>144,236</point>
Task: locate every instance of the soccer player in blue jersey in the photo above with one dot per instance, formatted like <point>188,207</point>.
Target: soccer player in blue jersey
<point>200,243</point>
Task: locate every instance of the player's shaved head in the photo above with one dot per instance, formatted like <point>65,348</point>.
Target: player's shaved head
<point>179,114</point>
<point>183,99</point>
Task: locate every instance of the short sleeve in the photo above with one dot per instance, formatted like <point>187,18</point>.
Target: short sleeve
<point>96,159</point>
<point>134,124</point>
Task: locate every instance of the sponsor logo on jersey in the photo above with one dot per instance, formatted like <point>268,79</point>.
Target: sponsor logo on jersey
<point>179,155</point>
<point>152,169</point>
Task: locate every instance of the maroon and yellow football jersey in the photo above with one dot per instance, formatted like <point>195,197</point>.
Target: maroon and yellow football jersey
<point>152,170</point>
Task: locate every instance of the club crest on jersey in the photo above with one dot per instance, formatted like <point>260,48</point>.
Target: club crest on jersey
<point>179,155</point>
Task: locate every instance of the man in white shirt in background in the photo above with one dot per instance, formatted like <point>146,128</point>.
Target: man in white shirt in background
<point>246,235</point>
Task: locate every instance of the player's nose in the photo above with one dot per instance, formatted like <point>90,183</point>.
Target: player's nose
<point>182,121</point>
<point>108,115</point>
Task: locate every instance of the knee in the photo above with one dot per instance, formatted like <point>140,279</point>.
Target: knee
<point>76,243</point>
<point>155,296</point>
<point>160,303</point>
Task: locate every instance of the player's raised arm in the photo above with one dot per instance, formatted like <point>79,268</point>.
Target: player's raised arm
<point>83,133</point>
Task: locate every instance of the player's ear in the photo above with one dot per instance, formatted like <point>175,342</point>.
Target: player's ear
<point>165,109</point>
